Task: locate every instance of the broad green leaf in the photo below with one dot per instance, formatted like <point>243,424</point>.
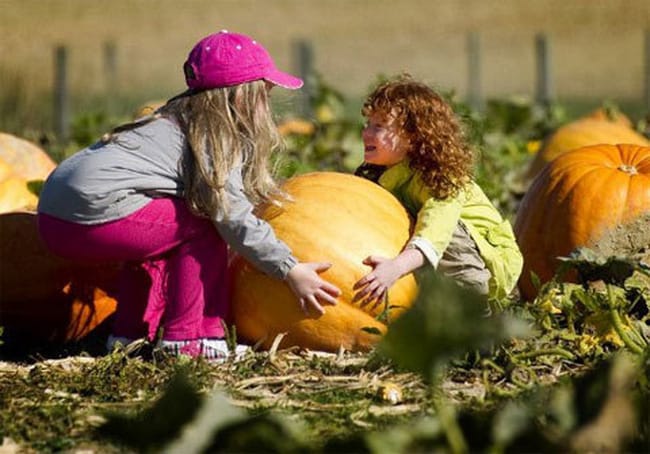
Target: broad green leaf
<point>445,322</point>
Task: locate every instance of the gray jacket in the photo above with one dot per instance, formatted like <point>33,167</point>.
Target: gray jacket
<point>109,181</point>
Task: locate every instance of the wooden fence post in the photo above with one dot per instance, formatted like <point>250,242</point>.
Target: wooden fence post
<point>474,95</point>
<point>110,66</point>
<point>544,82</point>
<point>646,69</point>
<point>303,55</point>
<point>61,101</point>
<point>110,74</point>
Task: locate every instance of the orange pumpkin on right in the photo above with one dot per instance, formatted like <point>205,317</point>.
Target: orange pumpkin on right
<point>575,200</point>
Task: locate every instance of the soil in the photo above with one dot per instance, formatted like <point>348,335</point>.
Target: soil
<point>631,239</point>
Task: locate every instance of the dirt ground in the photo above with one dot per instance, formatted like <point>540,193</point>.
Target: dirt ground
<point>631,239</point>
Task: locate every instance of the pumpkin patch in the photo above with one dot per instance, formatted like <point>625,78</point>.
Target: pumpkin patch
<point>336,218</point>
<point>579,197</point>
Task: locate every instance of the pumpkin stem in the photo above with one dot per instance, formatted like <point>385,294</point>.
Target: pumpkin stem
<point>628,169</point>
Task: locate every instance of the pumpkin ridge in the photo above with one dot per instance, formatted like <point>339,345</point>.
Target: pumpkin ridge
<point>639,159</point>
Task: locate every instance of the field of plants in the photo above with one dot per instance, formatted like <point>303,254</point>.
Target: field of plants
<point>561,365</point>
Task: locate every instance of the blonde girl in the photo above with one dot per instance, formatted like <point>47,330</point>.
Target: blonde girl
<point>169,194</point>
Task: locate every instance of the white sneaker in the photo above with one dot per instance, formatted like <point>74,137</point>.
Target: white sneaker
<point>214,350</point>
<point>219,348</point>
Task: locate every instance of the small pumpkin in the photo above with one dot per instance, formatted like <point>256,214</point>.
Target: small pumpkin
<point>15,194</point>
<point>148,108</point>
<point>578,198</point>
<point>26,159</point>
<point>336,218</point>
<point>610,114</point>
<point>591,130</point>
<point>296,126</point>
<point>45,297</point>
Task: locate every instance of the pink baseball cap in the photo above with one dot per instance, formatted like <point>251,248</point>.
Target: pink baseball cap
<point>224,59</point>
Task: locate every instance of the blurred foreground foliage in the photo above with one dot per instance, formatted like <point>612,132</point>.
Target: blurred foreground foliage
<point>604,408</point>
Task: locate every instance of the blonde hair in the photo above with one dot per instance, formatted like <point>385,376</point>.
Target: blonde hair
<point>438,150</point>
<point>224,127</point>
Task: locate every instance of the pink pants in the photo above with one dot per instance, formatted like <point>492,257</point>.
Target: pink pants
<point>175,268</point>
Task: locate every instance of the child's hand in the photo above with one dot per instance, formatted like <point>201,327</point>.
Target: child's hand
<point>374,285</point>
<point>310,288</point>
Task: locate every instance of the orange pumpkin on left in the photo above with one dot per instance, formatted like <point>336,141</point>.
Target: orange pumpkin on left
<point>44,297</point>
<point>26,159</point>
<point>20,162</point>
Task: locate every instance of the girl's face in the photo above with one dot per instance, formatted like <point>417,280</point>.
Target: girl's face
<point>383,141</point>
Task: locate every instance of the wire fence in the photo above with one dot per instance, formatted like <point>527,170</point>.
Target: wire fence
<point>304,59</point>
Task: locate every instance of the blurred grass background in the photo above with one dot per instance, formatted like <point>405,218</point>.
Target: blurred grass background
<point>596,48</point>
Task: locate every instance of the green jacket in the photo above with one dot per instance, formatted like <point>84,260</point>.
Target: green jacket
<point>436,221</point>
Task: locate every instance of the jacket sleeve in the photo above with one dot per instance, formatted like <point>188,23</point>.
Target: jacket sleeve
<point>249,235</point>
<point>434,226</point>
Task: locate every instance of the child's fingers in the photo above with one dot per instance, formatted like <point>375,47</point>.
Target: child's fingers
<point>366,290</point>
<point>325,297</point>
<point>330,288</point>
<point>319,267</point>
<point>360,294</point>
<point>376,297</point>
<point>372,260</point>
<point>310,301</point>
<point>363,281</point>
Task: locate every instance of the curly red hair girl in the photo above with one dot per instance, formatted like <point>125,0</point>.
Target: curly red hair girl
<point>438,149</point>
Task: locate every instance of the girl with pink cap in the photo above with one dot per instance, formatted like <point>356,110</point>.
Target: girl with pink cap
<point>169,193</point>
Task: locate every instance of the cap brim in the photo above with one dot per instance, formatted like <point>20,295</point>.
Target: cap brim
<point>284,80</point>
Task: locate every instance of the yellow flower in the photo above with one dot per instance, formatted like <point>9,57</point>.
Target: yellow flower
<point>533,146</point>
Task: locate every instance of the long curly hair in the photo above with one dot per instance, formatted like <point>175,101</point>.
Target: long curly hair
<point>223,128</point>
<point>438,151</point>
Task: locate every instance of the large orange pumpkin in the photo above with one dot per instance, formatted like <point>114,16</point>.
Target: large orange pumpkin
<point>575,200</point>
<point>590,130</point>
<point>44,297</point>
<point>336,218</point>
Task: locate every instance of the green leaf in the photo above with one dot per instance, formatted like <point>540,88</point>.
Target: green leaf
<point>159,424</point>
<point>35,186</point>
<point>371,330</point>
<point>536,281</point>
<point>446,322</point>
<point>592,266</point>
<point>510,422</point>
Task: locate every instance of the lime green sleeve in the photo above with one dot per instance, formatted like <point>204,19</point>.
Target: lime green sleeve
<point>435,224</point>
